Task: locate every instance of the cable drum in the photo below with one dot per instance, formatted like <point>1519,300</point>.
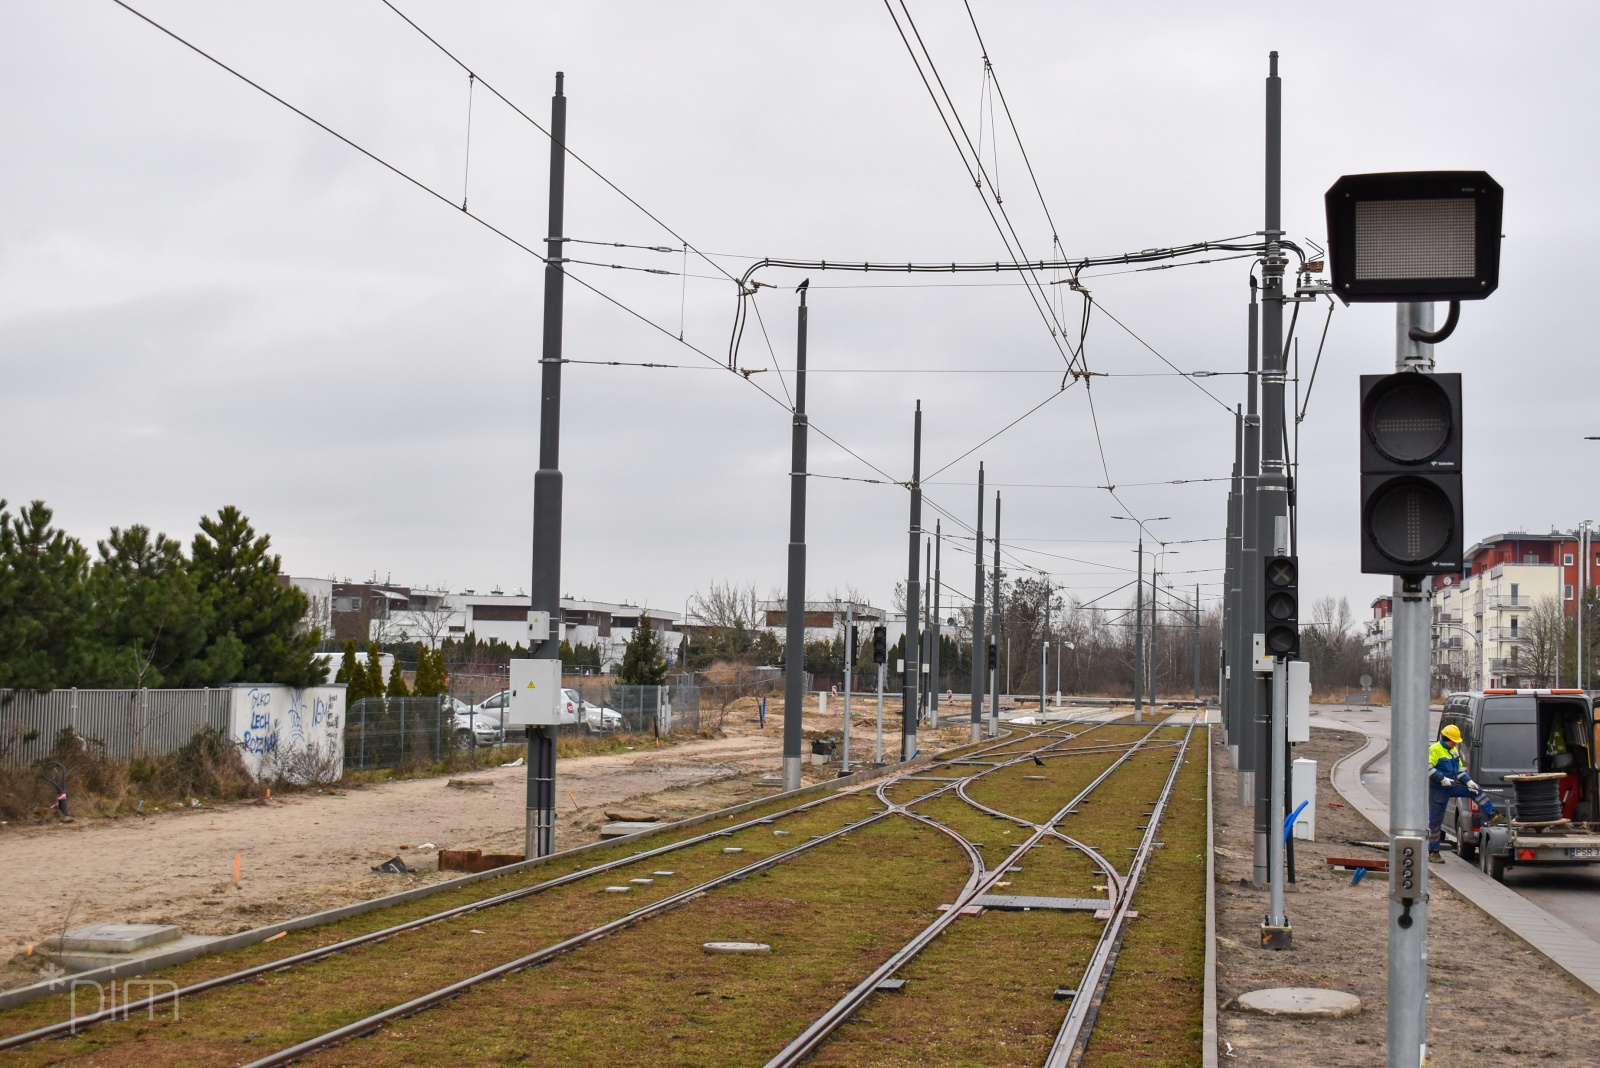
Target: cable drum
<point>1537,797</point>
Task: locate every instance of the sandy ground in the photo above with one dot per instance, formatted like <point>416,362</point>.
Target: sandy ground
<point>303,852</point>
<point>1489,995</point>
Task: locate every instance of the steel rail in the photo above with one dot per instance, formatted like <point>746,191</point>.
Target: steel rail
<point>814,1035</point>
<point>1050,832</point>
<point>122,1012</point>
<point>540,956</point>
<point>1073,1036</point>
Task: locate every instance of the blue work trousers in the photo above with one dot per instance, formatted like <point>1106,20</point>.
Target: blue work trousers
<point>1438,798</point>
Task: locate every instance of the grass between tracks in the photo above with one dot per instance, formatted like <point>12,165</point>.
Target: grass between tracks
<point>285,1007</point>
<point>651,995</point>
<point>1151,1016</point>
<point>983,993</point>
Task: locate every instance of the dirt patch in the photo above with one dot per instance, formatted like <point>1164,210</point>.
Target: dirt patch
<point>299,853</point>
<point>1489,995</point>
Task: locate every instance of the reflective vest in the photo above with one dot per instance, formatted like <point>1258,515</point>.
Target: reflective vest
<point>1444,763</point>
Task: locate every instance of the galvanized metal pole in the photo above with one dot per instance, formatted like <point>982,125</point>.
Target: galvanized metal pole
<point>994,636</point>
<point>1138,633</point>
<point>882,670</point>
<point>911,681</point>
<point>1409,736</point>
<point>938,606</point>
<point>1155,591</point>
<point>1277,923</point>
<point>925,692</point>
<point>539,832</point>
<point>795,647</point>
<point>979,642</point>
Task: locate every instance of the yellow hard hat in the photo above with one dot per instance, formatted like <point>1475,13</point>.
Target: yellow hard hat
<point>1451,734</point>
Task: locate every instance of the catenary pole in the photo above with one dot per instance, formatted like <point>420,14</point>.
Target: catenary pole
<point>1410,733</point>
<point>1044,653</point>
<point>1250,579</point>
<point>539,832</point>
<point>1197,641</point>
<point>911,682</point>
<point>937,602</point>
<point>994,629</point>
<point>926,690</point>
<point>849,677</point>
<point>1138,632</point>
<point>1272,486</point>
<point>980,664</point>
<point>795,647</point>
<point>1231,657</point>
<point>1155,593</point>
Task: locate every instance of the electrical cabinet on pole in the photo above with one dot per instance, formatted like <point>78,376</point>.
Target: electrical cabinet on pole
<point>1410,239</point>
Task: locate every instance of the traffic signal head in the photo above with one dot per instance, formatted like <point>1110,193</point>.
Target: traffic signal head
<point>1414,236</point>
<point>1411,507</point>
<point>994,656</point>
<point>880,645</point>
<point>1282,591</point>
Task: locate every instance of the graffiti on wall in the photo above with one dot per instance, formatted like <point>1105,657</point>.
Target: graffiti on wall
<point>285,733</point>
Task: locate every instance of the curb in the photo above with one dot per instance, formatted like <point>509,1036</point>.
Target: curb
<point>1208,1012</point>
<point>1553,938</point>
<point>227,943</point>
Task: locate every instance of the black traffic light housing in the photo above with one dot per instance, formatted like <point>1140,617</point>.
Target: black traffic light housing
<point>994,656</point>
<point>880,645</point>
<point>1411,502</point>
<point>1414,236</point>
<point>1282,593</point>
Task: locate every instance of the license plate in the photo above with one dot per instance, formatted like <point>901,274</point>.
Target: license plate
<point>1585,853</point>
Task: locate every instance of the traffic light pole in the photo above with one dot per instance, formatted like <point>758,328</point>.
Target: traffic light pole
<point>980,664</point>
<point>1408,762</point>
<point>911,679</point>
<point>1250,616</point>
<point>795,646</point>
<point>539,831</point>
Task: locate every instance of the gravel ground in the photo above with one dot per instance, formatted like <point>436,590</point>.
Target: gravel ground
<point>1489,995</point>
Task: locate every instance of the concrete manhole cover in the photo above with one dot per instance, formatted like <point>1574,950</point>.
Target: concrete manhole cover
<point>1299,1001</point>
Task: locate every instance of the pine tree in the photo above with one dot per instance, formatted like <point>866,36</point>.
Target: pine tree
<point>642,663</point>
<point>351,674</point>
<point>374,672</point>
<point>45,606</point>
<point>253,612</point>
<point>397,683</point>
<point>569,659</point>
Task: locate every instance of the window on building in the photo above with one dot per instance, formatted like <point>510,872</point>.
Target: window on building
<point>1530,558</point>
<point>1514,592</point>
<point>1566,559</point>
<point>1514,624</point>
<point>1566,592</point>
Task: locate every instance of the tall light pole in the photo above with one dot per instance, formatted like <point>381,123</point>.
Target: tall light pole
<point>979,664</point>
<point>911,683</point>
<point>933,656</point>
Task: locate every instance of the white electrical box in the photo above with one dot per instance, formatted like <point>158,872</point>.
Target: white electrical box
<point>535,693</point>
<point>1303,787</point>
<point>538,626</point>
<point>1299,700</point>
<point>1260,661</point>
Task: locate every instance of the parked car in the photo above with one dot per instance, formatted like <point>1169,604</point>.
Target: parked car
<point>574,711</point>
<point>595,718</point>
<point>469,725</point>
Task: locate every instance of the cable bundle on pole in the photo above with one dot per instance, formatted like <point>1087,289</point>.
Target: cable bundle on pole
<point>1537,797</point>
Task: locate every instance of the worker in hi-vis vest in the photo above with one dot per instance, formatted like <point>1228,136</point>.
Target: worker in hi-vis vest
<point>1448,778</point>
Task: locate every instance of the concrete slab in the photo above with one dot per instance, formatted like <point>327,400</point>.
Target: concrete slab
<point>115,937</point>
<point>76,961</point>
<point>1299,1001</point>
<point>1064,904</point>
<point>624,828</point>
<point>736,948</point>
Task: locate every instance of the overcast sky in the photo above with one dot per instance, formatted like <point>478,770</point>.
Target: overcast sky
<point>206,300</point>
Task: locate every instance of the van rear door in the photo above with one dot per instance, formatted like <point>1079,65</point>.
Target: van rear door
<point>1508,729</point>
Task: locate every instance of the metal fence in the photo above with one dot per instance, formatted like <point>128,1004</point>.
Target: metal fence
<point>389,732</point>
<point>126,723</point>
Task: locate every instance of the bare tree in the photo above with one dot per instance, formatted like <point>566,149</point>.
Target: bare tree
<point>1544,633</point>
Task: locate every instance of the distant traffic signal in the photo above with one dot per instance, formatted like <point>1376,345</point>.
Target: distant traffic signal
<point>994,656</point>
<point>852,645</point>
<point>880,645</point>
<point>1282,591</point>
<point>1411,509</point>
